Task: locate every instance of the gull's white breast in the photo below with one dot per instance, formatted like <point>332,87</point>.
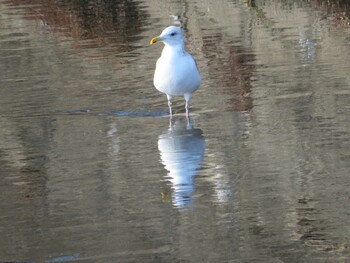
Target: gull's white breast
<point>176,73</point>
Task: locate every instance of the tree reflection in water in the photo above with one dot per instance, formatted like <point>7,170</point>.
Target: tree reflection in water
<point>103,22</point>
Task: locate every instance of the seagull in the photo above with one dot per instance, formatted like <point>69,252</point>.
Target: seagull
<point>176,71</point>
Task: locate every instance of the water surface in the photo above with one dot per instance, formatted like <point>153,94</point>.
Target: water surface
<point>92,169</point>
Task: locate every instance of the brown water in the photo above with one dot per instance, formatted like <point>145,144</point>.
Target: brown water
<point>91,170</point>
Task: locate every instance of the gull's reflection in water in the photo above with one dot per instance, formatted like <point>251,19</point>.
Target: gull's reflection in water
<point>181,150</point>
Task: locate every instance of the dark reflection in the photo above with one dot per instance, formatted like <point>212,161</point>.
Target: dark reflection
<point>103,22</point>
<point>181,150</point>
<point>338,11</point>
<point>232,70</point>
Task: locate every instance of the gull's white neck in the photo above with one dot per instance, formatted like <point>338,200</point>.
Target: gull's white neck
<point>170,50</point>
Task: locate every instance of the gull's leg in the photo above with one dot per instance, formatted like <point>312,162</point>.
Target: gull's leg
<point>189,125</point>
<point>171,123</point>
<point>169,104</point>
<point>187,106</point>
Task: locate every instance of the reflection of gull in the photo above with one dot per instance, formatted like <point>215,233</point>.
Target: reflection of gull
<point>113,135</point>
<point>182,149</point>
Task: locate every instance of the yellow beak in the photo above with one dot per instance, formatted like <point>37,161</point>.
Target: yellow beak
<point>155,39</point>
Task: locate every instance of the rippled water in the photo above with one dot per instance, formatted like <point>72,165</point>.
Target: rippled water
<point>93,170</point>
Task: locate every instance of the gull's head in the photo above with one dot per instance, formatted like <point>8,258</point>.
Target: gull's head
<point>172,36</point>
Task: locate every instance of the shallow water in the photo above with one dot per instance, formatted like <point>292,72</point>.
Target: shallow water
<point>93,169</point>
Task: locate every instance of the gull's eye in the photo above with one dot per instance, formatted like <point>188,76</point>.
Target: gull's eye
<point>173,34</point>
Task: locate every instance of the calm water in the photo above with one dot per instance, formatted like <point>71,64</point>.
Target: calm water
<point>93,170</point>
